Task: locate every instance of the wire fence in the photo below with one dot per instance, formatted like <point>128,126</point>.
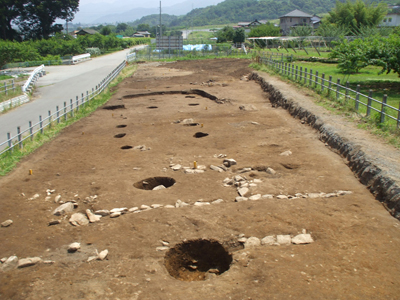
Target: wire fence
<point>364,104</point>
<point>60,114</point>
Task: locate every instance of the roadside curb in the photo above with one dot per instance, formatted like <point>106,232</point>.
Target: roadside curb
<point>383,187</point>
<point>14,102</point>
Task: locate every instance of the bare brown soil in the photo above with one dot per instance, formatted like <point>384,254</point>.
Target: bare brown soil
<point>355,253</point>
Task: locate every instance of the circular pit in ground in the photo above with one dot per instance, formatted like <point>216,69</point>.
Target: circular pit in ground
<point>198,135</point>
<point>193,260</point>
<point>150,183</point>
<point>119,135</point>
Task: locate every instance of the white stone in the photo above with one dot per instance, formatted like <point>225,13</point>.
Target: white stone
<point>159,187</point>
<point>156,205</point>
<point>193,171</point>
<point>270,171</point>
<point>200,203</point>
<point>257,180</point>
<point>78,219</point>
<point>243,191</point>
<point>244,170</point>
<point>255,123</point>
<point>180,203</point>
<point>187,121</point>
<point>281,197</point>
<point>74,247</point>
<point>215,168</point>
<point>102,255</point>
<point>244,184</point>
<point>29,261</point>
<point>163,248</point>
<point>300,195</point>
<point>201,167</point>
<point>314,195</point>
<point>242,239</point>
<point>330,195</point>
<point>302,239</point>
<point>267,196</point>
<point>252,185</point>
<point>34,197</point>
<point>342,193</point>
<point>64,209</point>
<point>121,210</point>
<point>164,243</point>
<point>143,206</point>
<point>238,178</point>
<point>102,212</point>
<point>286,153</point>
<point>169,206</point>
<point>47,198</point>
<point>229,162</point>
<point>6,223</point>
<point>92,217</point>
<point>176,167</point>
<point>115,215</point>
<point>3,260</point>
<point>217,201</point>
<point>132,209</point>
<point>10,263</point>
<point>57,198</point>
<point>240,199</point>
<point>48,262</point>
<point>283,239</point>
<point>255,197</point>
<point>92,258</point>
<point>268,240</point>
<point>252,242</point>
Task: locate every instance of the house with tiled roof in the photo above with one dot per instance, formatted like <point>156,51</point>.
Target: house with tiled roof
<point>293,19</point>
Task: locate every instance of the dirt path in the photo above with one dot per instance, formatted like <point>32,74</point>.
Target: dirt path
<point>356,241</point>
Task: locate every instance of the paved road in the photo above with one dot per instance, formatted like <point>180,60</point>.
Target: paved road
<point>61,83</point>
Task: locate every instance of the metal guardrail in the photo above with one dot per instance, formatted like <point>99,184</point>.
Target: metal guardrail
<point>60,114</point>
<point>312,80</point>
<point>39,71</point>
<point>80,58</point>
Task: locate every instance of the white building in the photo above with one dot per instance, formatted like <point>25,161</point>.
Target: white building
<point>391,19</point>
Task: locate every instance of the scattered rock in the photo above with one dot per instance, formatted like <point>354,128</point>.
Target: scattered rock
<point>200,203</point>
<point>281,197</point>
<point>243,191</point>
<point>286,153</point>
<point>145,207</point>
<point>6,223</point>
<point>163,248</point>
<point>252,242</point>
<point>169,206</point>
<point>156,205</point>
<point>54,222</point>
<point>314,195</point>
<point>247,107</point>
<point>244,170</point>
<point>57,198</point>
<point>102,212</point>
<point>270,171</point>
<point>132,209</point>
<point>159,187</point>
<point>330,195</point>
<point>220,155</point>
<point>304,238</point>
<point>92,217</point>
<point>193,171</point>
<point>283,239</point>
<point>240,199</point>
<point>102,255</point>
<point>229,162</point>
<point>164,243</point>
<point>92,258</point>
<point>255,197</point>
<point>34,197</point>
<point>115,214</point>
<point>78,219</point>
<point>180,203</point>
<point>63,209</point>
<point>3,260</point>
<point>187,121</point>
<point>217,201</point>
<point>10,263</point>
<point>215,168</point>
<point>74,247</point>
<point>257,180</point>
<point>121,210</point>
<point>29,261</point>
<point>268,240</point>
<point>176,167</point>
<point>342,193</point>
<point>267,196</point>
<point>242,239</point>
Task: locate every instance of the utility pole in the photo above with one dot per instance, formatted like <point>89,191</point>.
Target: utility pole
<point>160,23</point>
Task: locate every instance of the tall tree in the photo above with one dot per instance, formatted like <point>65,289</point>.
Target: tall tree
<point>9,11</point>
<point>37,20</point>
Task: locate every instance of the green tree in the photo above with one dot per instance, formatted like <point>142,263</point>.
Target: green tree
<point>106,30</point>
<point>239,36</point>
<point>353,15</point>
<point>121,27</point>
<point>9,11</point>
<point>225,34</point>
<point>37,19</point>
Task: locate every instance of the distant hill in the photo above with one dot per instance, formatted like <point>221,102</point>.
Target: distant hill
<point>154,20</point>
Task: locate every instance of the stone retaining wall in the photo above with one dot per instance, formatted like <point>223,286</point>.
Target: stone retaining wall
<point>14,102</point>
<point>383,187</point>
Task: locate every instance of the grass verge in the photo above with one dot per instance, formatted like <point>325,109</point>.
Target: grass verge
<point>387,130</point>
<point>8,161</point>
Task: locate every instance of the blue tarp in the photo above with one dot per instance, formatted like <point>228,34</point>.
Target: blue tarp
<point>198,47</point>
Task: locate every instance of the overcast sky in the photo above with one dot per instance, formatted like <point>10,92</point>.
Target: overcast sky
<point>137,3</point>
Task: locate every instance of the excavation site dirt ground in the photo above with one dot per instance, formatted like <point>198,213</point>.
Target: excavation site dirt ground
<point>197,234</point>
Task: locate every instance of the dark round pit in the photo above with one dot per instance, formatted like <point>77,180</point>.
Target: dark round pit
<point>152,182</point>
<point>114,107</point>
<point>198,135</point>
<point>152,107</point>
<point>126,147</point>
<point>193,104</point>
<point>119,135</point>
<point>191,124</point>
<point>121,126</point>
<point>194,260</point>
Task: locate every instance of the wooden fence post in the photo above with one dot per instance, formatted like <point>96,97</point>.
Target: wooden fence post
<point>337,89</point>
<point>77,103</point>
<point>72,108</point>
<point>19,137</point>
<point>357,97</point>
<point>316,79</point>
<point>297,69</point>
<point>369,103</point>
<point>383,108</point>
<point>41,124</point>
<point>9,142</point>
<point>309,82</point>
<point>329,85</point>
<point>5,87</point>
<point>31,130</point>
<point>305,76</point>
<point>322,82</point>
<point>301,72</point>
<point>50,118</point>
<point>65,111</point>
<point>346,92</point>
